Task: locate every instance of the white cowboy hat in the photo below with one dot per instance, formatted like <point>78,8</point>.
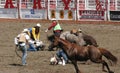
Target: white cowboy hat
<point>53,19</point>
<point>38,24</point>
<point>79,30</point>
<point>25,30</point>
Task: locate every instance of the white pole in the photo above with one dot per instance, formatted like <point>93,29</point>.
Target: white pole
<point>20,8</point>
<point>48,9</point>
<point>108,10</point>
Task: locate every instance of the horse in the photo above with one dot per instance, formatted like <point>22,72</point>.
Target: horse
<point>67,35</point>
<point>81,39</point>
<point>83,53</point>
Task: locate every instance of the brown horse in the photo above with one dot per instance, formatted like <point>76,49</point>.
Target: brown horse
<point>79,53</point>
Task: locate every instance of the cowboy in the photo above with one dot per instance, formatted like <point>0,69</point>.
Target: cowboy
<point>21,41</point>
<point>76,32</point>
<point>34,33</point>
<point>56,28</point>
<point>61,55</point>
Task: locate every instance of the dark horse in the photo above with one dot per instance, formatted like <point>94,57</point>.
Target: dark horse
<point>83,53</point>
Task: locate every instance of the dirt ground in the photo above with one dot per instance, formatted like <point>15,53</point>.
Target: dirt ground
<point>107,36</point>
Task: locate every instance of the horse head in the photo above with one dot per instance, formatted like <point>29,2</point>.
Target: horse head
<point>56,41</point>
<point>60,42</point>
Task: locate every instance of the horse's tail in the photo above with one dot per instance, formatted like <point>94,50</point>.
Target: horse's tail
<point>108,55</point>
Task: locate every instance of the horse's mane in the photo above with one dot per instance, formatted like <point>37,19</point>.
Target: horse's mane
<point>63,40</point>
<point>69,45</point>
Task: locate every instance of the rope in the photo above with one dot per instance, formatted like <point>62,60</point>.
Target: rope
<point>16,48</point>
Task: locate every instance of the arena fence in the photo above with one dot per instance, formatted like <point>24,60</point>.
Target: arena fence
<point>101,10</point>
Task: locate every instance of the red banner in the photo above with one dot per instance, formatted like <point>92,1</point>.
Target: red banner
<point>9,4</point>
<point>66,2</point>
<point>37,4</point>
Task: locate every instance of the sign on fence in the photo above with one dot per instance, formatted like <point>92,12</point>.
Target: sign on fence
<point>8,13</point>
<point>91,9</point>
<point>62,9</point>
<point>91,15</point>
<point>8,9</point>
<point>33,14</point>
<point>115,15</point>
<point>33,9</point>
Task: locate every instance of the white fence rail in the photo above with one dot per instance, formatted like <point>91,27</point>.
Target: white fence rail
<point>61,9</point>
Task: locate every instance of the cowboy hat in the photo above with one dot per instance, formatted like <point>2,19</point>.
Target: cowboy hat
<point>38,25</point>
<point>53,19</point>
<point>79,30</point>
<point>25,30</point>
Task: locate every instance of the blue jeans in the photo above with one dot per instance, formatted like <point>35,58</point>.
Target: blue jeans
<point>31,47</point>
<point>24,55</point>
<point>61,53</point>
<point>40,47</point>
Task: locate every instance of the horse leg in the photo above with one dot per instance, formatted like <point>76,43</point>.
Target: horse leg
<point>103,65</point>
<point>75,66</point>
<point>50,47</point>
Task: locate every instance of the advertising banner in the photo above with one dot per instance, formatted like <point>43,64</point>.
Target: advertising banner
<point>91,9</point>
<point>62,9</point>
<point>115,15</point>
<point>8,9</point>
<point>114,10</point>
<point>91,15</point>
<point>33,9</point>
<point>62,14</point>
<point>33,14</point>
<point>8,13</point>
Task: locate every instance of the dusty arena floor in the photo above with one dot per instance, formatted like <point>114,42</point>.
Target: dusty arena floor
<point>107,36</point>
